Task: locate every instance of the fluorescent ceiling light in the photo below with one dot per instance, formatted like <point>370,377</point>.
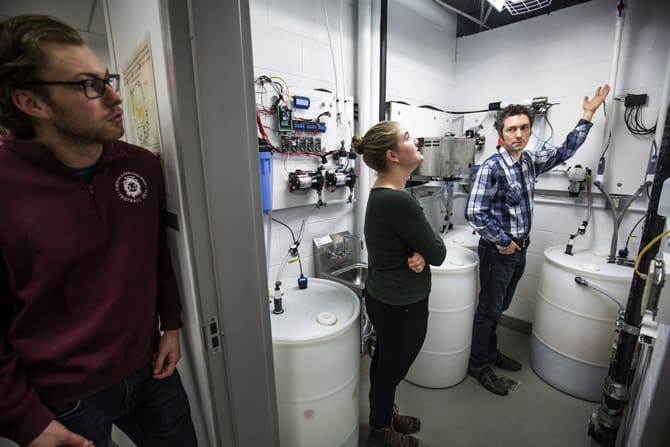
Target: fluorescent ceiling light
<point>497,4</point>
<point>515,7</point>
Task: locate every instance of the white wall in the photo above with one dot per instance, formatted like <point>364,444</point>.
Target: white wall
<point>290,40</point>
<point>421,61</point>
<point>565,55</point>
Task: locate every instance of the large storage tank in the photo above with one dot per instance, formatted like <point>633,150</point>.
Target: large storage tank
<point>443,360</point>
<point>573,326</point>
<point>315,343</point>
<point>462,235</point>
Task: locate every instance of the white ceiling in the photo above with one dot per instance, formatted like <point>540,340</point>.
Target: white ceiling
<point>84,15</point>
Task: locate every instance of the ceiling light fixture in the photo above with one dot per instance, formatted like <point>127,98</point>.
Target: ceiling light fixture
<point>515,7</point>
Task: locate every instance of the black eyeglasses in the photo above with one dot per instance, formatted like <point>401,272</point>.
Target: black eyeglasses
<point>93,87</point>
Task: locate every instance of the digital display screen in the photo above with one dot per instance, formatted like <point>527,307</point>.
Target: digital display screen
<point>301,102</point>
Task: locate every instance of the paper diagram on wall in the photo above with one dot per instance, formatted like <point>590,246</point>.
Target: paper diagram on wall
<point>140,94</point>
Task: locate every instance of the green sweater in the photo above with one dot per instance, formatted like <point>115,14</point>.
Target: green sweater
<point>395,227</point>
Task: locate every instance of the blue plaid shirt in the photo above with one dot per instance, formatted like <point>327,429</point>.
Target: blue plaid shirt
<point>500,205</point>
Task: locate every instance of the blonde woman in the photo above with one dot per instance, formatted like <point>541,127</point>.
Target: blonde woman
<point>400,244</point>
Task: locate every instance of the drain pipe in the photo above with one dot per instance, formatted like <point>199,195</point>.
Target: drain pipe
<point>604,423</point>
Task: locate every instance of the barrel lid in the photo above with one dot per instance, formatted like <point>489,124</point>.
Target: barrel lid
<point>458,259</point>
<point>461,235</point>
<point>322,310</point>
<point>591,261</point>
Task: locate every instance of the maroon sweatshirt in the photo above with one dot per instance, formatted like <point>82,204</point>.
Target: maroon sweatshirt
<point>87,280</point>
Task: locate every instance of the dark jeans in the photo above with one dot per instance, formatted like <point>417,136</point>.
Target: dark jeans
<point>400,334</point>
<point>498,277</point>
<point>151,412</point>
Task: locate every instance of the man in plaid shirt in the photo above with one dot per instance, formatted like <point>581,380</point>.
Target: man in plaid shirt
<point>500,208</point>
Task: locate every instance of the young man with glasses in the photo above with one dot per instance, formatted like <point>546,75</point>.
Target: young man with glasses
<point>500,208</point>
<point>86,282</point>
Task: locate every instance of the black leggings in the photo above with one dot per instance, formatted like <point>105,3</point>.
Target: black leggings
<point>400,334</point>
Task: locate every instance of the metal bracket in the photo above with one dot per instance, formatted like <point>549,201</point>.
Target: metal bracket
<point>633,330</point>
<point>648,328</point>
<point>213,334</point>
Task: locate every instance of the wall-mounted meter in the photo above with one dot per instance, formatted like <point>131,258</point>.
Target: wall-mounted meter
<point>301,102</point>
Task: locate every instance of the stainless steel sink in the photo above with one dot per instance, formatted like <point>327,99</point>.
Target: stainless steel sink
<point>352,276</point>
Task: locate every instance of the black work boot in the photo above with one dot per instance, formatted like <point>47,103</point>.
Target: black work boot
<point>388,437</point>
<point>403,423</point>
<point>504,362</point>
<point>488,379</point>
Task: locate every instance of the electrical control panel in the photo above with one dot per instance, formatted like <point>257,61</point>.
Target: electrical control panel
<point>308,133</point>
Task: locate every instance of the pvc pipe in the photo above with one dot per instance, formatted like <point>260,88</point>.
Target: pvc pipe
<point>364,88</point>
<point>268,242</point>
<point>614,70</point>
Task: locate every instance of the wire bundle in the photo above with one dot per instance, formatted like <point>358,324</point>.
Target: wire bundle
<point>633,118</point>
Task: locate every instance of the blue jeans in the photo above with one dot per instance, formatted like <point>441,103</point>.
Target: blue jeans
<point>498,277</point>
<point>151,412</point>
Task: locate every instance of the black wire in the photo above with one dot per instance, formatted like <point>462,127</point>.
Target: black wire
<point>289,228</point>
<point>294,241</point>
<point>633,119</point>
<point>470,111</point>
<point>609,138</point>
<point>630,235</point>
<point>546,118</point>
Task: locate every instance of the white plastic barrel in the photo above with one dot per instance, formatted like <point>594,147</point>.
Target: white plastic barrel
<point>573,326</point>
<point>315,344</point>
<point>431,200</point>
<point>463,236</point>
<point>443,360</point>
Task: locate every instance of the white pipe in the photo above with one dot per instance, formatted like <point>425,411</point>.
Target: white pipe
<point>614,70</point>
<point>364,84</point>
<point>268,242</point>
<point>663,106</point>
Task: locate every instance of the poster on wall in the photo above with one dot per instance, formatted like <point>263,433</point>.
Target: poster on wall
<point>140,93</point>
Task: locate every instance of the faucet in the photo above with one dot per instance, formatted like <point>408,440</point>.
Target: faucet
<point>352,238</point>
<point>344,249</point>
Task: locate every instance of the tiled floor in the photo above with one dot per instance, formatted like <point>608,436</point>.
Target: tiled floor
<point>466,415</point>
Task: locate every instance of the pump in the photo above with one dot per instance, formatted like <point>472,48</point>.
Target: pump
<point>305,180</point>
<point>577,175</point>
<point>342,177</point>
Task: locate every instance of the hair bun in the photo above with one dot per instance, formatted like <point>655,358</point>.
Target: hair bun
<point>357,144</point>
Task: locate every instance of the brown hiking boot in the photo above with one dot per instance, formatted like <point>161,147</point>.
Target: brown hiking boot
<point>388,437</point>
<point>405,424</point>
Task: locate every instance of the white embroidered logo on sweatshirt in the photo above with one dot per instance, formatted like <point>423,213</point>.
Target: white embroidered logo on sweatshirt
<point>131,187</point>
